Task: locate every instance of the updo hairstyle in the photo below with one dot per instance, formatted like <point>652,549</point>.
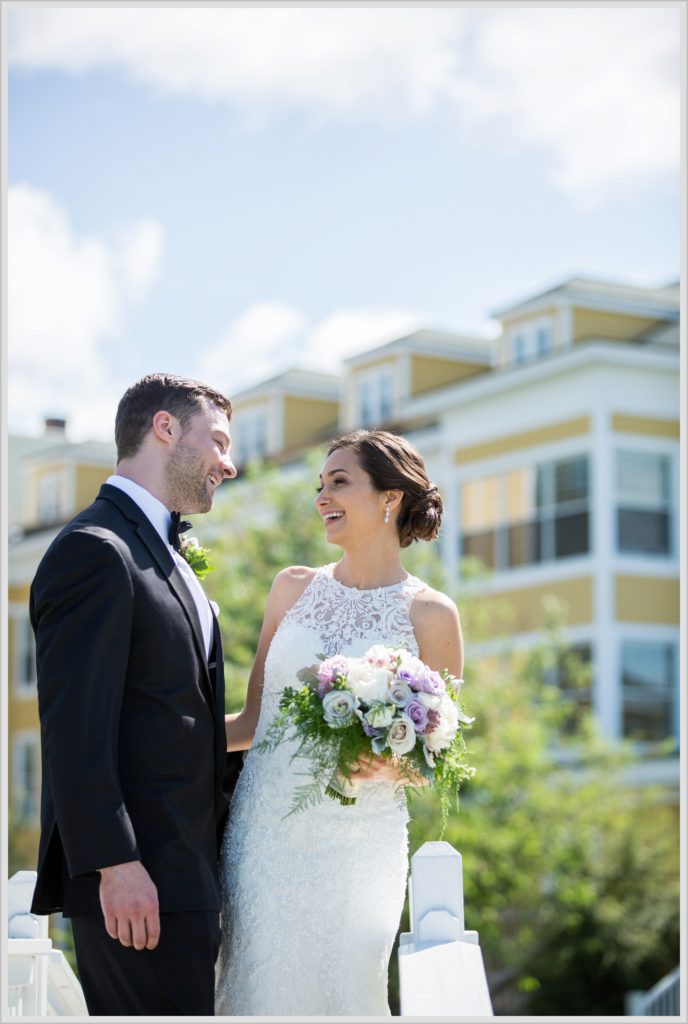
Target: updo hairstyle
<point>393,463</point>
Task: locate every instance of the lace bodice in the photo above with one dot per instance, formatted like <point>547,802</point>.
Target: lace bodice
<point>330,618</point>
<point>344,615</point>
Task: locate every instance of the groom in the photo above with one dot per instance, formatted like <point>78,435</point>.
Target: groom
<point>131,702</point>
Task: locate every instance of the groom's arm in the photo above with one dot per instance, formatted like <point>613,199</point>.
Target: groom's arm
<point>81,608</point>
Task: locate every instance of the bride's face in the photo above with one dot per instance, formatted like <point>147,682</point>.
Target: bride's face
<point>347,501</point>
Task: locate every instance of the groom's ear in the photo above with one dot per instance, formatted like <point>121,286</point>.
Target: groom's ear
<point>166,427</point>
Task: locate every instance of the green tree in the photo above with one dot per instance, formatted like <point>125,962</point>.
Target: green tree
<point>570,871</point>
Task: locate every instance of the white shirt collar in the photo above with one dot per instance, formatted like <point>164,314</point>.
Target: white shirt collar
<point>151,506</point>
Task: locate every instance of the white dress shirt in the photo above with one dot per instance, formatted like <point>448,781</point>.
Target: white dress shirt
<point>160,519</point>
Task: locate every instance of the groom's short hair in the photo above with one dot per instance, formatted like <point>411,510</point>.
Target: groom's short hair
<point>180,396</point>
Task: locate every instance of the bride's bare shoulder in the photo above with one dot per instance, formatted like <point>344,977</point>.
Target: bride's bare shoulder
<point>289,585</point>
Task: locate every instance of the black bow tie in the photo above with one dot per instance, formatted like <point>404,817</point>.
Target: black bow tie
<point>177,526</point>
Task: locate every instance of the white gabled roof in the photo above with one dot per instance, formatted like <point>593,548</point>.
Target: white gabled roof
<point>558,364</point>
<point>662,302</point>
<point>441,344</point>
<point>297,382</point>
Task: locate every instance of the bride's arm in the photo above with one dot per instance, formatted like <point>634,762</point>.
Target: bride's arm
<point>286,589</point>
<point>437,629</point>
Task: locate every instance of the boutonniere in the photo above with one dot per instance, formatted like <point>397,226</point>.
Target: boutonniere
<point>196,556</point>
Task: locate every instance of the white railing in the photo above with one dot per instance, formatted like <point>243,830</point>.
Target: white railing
<point>662,1000</point>
<point>40,981</point>
<point>441,970</point>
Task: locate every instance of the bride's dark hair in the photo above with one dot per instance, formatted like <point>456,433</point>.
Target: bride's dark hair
<point>393,463</point>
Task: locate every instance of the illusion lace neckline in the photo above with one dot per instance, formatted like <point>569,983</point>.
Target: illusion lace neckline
<point>329,570</point>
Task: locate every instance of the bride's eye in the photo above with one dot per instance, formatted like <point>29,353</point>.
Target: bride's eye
<point>318,489</point>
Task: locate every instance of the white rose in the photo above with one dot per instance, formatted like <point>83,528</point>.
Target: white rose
<point>445,732</point>
<point>402,735</point>
<point>411,663</point>
<point>379,716</point>
<point>338,708</point>
<point>369,682</point>
<point>430,700</point>
<point>378,655</point>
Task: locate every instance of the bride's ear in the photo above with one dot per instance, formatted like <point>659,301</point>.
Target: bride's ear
<point>393,500</point>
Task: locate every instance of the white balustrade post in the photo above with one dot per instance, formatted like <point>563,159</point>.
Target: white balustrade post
<point>40,981</point>
<point>28,964</point>
<point>441,971</point>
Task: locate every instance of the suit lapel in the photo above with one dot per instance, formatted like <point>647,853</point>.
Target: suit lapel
<point>163,557</point>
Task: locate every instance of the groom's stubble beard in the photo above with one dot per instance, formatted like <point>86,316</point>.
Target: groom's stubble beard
<point>187,481</point>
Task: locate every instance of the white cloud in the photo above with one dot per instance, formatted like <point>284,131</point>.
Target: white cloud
<point>260,342</point>
<point>141,254</point>
<point>332,60</point>
<point>68,297</point>
<point>346,332</point>
<point>270,337</point>
<point>595,90</point>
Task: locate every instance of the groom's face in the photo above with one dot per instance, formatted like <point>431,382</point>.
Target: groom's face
<point>200,461</point>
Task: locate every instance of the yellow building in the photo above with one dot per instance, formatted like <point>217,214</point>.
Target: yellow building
<point>283,415</point>
<point>49,480</point>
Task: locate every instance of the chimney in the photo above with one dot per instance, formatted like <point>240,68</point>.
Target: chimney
<point>55,426</point>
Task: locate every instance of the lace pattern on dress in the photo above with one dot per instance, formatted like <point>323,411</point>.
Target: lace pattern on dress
<point>344,615</point>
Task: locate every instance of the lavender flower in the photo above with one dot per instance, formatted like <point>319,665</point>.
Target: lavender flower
<point>418,714</point>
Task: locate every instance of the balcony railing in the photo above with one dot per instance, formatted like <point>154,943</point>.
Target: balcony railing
<point>40,981</point>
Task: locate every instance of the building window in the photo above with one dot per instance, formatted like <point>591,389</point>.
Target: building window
<point>374,397</point>
<point>530,340</point>
<point>25,777</point>
<point>520,349</point>
<point>533,514</point>
<point>573,676</point>
<point>25,657</point>
<point>49,498</point>
<point>544,341</point>
<point>643,514</point>
<point>649,690</point>
<point>253,436</point>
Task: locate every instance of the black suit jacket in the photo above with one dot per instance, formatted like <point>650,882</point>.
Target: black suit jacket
<point>132,716</point>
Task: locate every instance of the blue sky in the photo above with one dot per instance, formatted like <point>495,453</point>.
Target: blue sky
<point>225,192</point>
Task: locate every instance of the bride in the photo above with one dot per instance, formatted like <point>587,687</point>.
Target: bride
<point>312,901</point>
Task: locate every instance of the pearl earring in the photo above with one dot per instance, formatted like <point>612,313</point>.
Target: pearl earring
<point>386,515</point>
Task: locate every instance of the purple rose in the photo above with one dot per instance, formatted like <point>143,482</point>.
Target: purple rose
<point>418,714</point>
<point>324,687</point>
<point>429,682</point>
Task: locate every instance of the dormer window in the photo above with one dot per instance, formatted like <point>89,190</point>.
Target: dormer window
<point>529,341</point>
<point>544,341</point>
<point>374,396</point>
<point>520,349</point>
<point>253,436</point>
<point>49,498</point>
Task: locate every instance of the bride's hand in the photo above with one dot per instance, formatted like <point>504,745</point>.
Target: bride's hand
<point>379,769</point>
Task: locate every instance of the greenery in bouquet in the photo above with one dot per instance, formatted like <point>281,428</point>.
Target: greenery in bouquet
<point>388,704</point>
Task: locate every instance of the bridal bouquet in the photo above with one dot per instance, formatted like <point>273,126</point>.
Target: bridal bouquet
<point>387,703</point>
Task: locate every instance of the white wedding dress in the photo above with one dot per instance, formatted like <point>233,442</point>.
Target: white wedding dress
<point>312,902</point>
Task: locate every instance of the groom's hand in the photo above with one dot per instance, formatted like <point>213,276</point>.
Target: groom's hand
<point>129,900</point>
